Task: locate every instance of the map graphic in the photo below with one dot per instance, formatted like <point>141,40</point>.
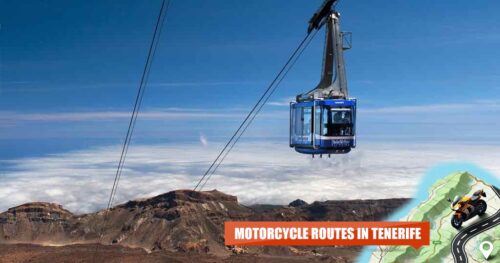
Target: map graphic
<point>447,243</point>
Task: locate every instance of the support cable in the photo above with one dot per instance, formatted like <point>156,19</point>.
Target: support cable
<point>256,109</point>
<point>138,100</point>
<point>135,112</point>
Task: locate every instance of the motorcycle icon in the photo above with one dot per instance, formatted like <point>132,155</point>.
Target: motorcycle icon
<point>467,207</point>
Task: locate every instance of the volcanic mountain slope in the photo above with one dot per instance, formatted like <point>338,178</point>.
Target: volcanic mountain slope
<point>178,221</point>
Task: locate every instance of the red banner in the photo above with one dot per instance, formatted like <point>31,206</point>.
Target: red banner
<point>252,233</point>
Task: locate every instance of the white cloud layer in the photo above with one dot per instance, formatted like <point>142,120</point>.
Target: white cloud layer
<point>167,114</point>
<point>282,102</point>
<point>261,172</point>
<point>486,105</point>
<point>9,118</point>
<point>474,106</point>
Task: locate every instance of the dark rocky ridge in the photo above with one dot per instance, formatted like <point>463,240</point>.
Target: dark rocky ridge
<point>297,203</point>
<point>181,220</point>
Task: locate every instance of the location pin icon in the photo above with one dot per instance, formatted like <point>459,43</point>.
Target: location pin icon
<point>486,247</point>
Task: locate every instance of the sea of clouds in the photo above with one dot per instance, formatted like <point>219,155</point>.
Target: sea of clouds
<point>256,172</point>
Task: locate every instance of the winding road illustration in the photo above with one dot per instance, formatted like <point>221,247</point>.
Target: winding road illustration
<point>458,243</point>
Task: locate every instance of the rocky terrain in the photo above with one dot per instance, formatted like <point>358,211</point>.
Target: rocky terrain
<point>177,225</point>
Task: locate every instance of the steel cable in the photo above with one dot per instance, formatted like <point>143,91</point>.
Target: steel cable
<point>256,108</point>
<point>137,105</point>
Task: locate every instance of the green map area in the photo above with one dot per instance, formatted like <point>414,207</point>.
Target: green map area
<point>436,209</point>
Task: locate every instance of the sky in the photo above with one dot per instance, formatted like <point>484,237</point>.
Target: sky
<point>425,75</point>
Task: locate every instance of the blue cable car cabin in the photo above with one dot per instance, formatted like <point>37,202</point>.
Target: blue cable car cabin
<point>323,120</point>
<point>323,126</point>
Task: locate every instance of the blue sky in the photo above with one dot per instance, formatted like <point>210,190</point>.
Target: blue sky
<point>87,56</point>
<point>423,72</point>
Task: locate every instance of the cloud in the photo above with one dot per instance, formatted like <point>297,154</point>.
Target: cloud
<point>108,115</point>
<point>474,119</point>
<point>476,105</point>
<point>201,84</point>
<point>157,114</point>
<point>37,86</point>
<point>259,172</point>
<point>203,139</point>
<point>282,102</point>
<point>10,118</point>
<point>479,106</point>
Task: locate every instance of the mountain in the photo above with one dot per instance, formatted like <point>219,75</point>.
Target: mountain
<point>177,221</point>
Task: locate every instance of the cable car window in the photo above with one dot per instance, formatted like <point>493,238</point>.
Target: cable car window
<point>341,117</point>
<point>302,125</point>
<point>326,110</point>
<point>298,116</point>
<point>295,121</point>
<point>317,121</point>
<point>306,121</point>
<point>337,122</point>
